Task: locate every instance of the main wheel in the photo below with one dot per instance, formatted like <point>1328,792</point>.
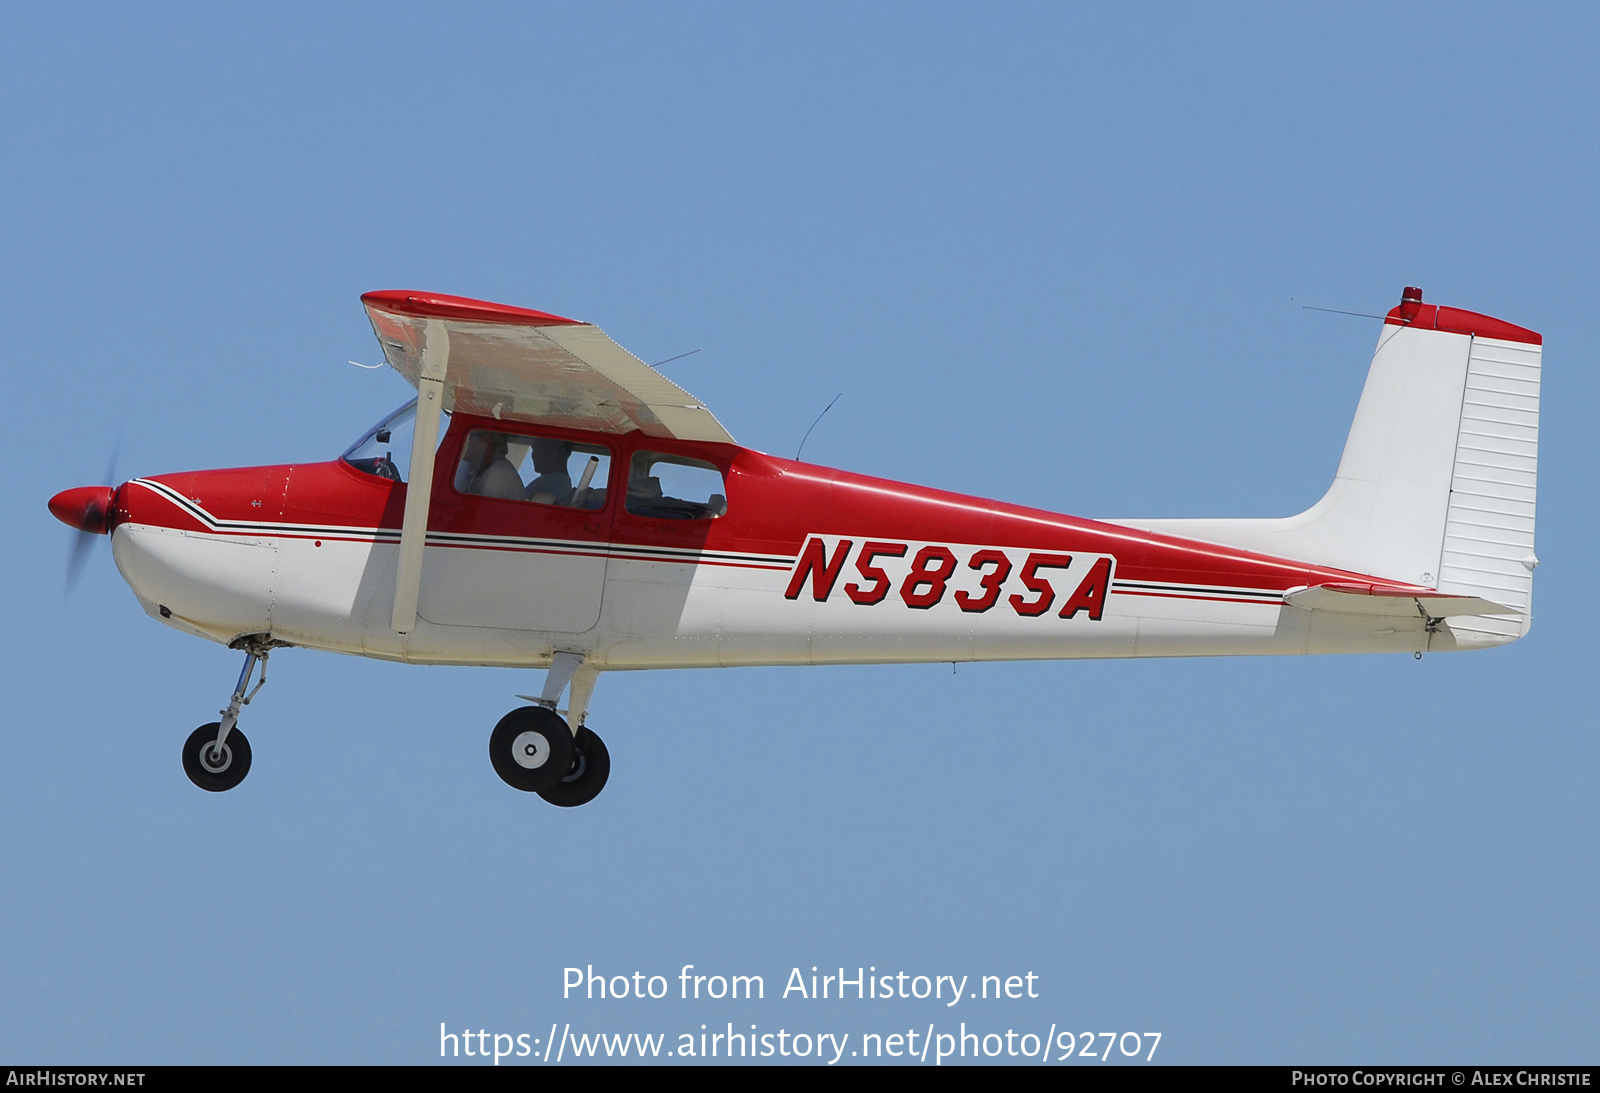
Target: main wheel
<point>591,766</point>
<point>531,748</point>
<point>211,771</point>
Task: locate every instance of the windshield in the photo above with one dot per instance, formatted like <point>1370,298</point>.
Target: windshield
<point>385,449</point>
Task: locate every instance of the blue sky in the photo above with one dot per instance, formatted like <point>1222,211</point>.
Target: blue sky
<point>1053,255</point>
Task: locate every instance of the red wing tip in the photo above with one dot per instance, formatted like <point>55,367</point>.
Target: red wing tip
<point>1453,320</point>
<point>433,305</point>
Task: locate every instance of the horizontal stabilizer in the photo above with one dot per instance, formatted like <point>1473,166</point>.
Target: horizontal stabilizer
<point>1394,601</point>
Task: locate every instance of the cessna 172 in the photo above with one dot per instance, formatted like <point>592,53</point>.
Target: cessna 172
<point>582,514</point>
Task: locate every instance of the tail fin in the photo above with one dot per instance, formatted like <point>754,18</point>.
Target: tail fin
<point>1437,483</point>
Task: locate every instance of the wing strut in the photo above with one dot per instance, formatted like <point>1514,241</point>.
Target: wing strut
<point>419,488</point>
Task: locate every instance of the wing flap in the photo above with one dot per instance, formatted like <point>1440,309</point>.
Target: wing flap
<point>504,362</point>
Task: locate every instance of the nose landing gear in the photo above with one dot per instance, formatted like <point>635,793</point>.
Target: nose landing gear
<point>216,756</point>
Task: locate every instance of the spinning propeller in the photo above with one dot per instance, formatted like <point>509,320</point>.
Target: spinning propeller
<point>88,509</point>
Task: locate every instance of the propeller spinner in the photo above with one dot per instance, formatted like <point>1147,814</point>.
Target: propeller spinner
<point>88,509</point>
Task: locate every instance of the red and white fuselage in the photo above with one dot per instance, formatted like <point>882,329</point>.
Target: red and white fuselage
<point>808,565</point>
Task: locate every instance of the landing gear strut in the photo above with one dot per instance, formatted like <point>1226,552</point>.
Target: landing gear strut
<point>534,748</point>
<point>216,756</point>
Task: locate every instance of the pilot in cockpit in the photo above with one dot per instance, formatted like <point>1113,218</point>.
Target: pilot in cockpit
<point>486,471</point>
<point>553,486</point>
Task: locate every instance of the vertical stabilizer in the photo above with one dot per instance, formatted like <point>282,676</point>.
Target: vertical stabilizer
<point>1436,486</point>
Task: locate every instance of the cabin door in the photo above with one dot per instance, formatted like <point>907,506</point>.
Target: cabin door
<point>518,531</point>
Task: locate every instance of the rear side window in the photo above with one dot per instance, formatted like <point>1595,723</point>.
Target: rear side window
<point>675,487</point>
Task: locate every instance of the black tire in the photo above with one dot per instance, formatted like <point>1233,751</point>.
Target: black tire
<point>211,776</point>
<point>591,766</point>
<point>542,738</point>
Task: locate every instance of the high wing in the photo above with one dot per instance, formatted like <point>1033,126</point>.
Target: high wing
<point>510,362</point>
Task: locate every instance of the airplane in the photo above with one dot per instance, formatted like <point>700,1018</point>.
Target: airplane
<point>584,514</point>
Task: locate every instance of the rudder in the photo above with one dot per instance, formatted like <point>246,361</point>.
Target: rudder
<point>1488,535</point>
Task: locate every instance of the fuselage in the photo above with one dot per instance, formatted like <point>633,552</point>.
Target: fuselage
<point>804,565</point>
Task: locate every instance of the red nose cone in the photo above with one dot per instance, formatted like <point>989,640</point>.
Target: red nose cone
<point>87,508</point>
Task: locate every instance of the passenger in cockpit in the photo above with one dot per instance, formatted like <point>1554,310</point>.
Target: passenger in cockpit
<point>486,471</point>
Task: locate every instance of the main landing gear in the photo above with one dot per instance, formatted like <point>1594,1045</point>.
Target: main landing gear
<point>217,756</point>
<point>534,749</point>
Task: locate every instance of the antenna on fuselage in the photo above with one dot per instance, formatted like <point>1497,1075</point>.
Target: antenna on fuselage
<point>807,437</point>
<point>1340,311</point>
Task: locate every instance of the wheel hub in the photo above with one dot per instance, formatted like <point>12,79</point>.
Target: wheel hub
<point>531,750</point>
<point>213,762</point>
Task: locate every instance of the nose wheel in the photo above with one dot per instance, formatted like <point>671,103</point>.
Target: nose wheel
<point>212,768</point>
<point>216,757</point>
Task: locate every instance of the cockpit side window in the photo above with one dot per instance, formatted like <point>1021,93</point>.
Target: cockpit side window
<point>675,487</point>
<point>542,470</point>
